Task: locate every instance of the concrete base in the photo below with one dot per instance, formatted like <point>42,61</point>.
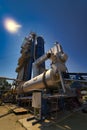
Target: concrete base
<point>20,110</point>
<point>72,121</point>
<point>28,124</point>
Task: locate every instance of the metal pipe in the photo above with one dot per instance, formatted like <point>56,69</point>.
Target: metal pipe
<point>45,80</point>
<point>42,59</point>
<point>38,62</point>
<point>18,80</point>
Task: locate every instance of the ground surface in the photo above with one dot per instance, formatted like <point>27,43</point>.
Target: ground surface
<point>75,121</point>
<point>10,121</point>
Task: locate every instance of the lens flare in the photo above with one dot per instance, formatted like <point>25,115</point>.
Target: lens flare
<point>11,25</point>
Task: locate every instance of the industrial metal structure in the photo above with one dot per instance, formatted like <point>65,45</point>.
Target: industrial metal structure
<point>34,57</point>
<point>46,90</point>
<point>45,87</point>
<point>31,49</point>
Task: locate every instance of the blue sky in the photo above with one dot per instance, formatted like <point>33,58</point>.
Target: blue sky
<point>64,21</point>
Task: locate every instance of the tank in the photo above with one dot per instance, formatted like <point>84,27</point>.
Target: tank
<point>48,79</point>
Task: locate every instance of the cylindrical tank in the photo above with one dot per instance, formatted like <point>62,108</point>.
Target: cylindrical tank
<point>47,79</point>
<point>39,51</point>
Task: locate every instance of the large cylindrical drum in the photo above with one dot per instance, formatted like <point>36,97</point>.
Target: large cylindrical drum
<point>47,79</point>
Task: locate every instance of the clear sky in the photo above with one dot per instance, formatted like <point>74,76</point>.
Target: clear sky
<point>64,21</point>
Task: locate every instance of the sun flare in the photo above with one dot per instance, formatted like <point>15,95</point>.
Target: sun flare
<point>11,25</point>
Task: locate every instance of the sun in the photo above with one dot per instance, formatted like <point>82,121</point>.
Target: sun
<point>11,25</point>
